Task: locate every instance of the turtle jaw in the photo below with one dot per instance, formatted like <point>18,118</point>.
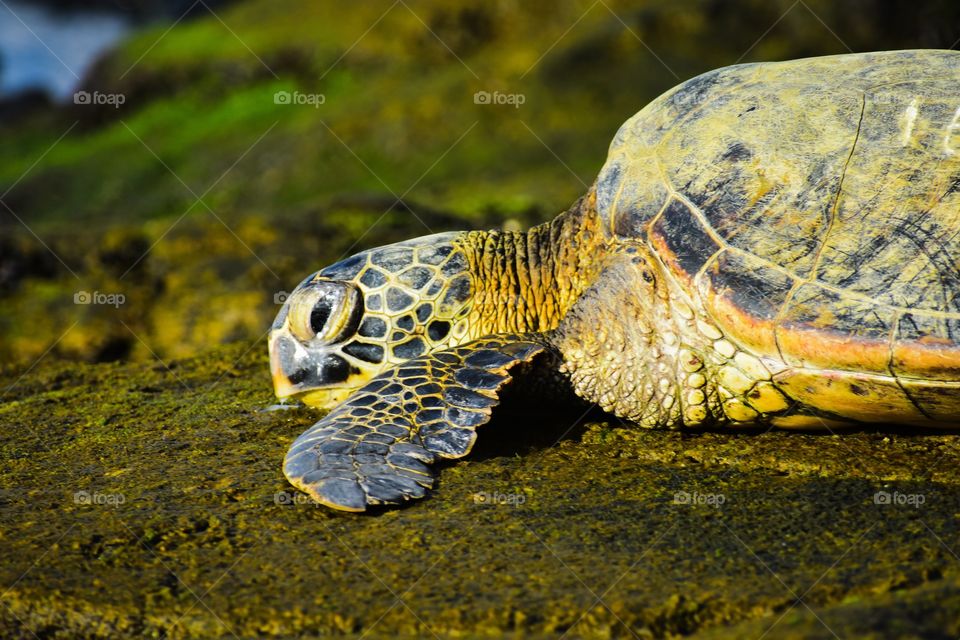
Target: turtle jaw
<point>317,377</point>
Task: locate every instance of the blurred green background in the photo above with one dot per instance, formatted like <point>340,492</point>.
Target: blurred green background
<point>258,141</point>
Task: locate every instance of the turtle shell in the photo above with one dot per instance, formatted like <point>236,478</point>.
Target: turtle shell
<point>812,210</point>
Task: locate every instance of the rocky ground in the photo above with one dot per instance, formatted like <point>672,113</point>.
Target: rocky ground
<point>147,500</point>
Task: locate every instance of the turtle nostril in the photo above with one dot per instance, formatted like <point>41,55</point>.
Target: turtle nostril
<point>298,376</point>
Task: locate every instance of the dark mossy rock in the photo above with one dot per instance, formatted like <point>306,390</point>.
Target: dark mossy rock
<point>147,500</point>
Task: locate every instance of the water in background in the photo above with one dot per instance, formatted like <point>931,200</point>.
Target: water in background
<point>52,50</point>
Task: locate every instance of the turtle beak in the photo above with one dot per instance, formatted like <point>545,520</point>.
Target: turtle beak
<point>317,377</point>
<point>282,386</point>
<point>283,363</point>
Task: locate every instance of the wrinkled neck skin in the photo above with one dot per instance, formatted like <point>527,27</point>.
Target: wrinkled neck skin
<point>525,282</point>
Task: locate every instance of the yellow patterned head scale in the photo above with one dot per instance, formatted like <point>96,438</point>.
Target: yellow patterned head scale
<point>349,322</point>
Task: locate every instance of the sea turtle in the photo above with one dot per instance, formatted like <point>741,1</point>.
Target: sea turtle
<point>767,244</point>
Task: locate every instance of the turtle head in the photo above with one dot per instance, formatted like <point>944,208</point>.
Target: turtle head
<point>349,322</point>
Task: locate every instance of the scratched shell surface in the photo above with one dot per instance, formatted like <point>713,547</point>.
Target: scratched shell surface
<point>812,209</point>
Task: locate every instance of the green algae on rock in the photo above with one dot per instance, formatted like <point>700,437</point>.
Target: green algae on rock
<point>147,500</point>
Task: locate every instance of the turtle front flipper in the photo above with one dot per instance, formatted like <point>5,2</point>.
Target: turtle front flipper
<point>375,447</point>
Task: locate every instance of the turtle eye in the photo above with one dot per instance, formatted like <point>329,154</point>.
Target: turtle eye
<point>319,315</point>
<point>325,310</point>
